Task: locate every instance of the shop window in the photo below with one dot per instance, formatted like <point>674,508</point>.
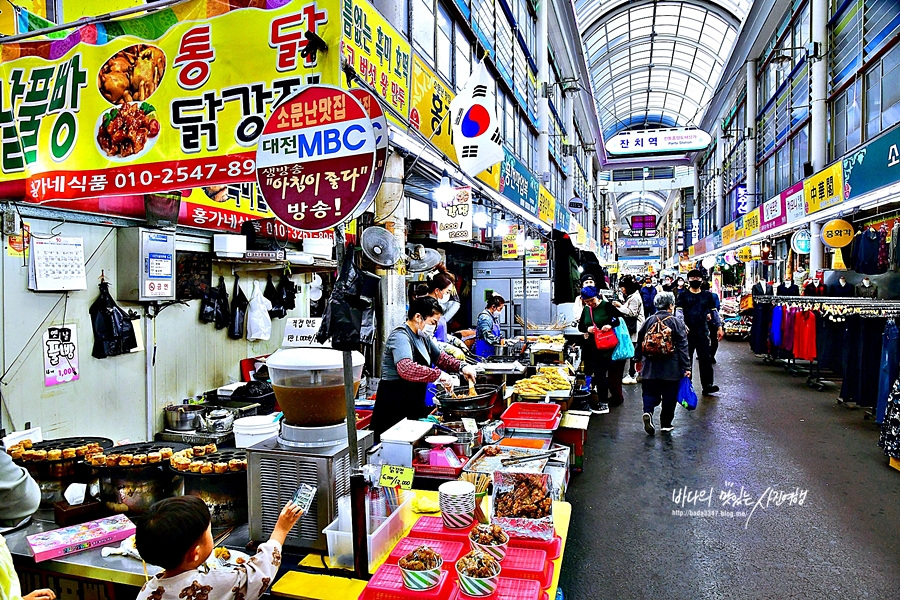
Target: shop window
<point>845,120</point>
<point>782,169</point>
<point>443,48</point>
<point>419,210</point>
<point>799,155</point>
<point>423,22</point>
<point>463,65</point>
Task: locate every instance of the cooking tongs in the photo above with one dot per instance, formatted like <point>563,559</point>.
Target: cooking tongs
<point>524,459</point>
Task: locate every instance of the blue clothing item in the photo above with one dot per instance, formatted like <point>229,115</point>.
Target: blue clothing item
<point>890,368</point>
<point>440,333</point>
<point>718,302</point>
<point>775,329</point>
<point>648,295</point>
<point>487,333</point>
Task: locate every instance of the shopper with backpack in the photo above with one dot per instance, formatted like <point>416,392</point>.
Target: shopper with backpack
<point>661,355</point>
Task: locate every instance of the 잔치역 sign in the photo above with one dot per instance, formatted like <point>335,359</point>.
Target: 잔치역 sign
<point>162,102</point>
<point>316,157</point>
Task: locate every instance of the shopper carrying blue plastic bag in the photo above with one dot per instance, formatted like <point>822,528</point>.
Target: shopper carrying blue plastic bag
<point>625,348</point>
<point>687,397</point>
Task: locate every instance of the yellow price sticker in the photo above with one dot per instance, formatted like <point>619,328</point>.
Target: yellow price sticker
<point>392,476</point>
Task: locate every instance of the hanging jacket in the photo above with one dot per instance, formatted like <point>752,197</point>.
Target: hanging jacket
<point>113,331</point>
<point>867,252</point>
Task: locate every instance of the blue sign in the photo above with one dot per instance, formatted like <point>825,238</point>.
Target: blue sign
<point>741,201</point>
<point>518,183</point>
<point>563,217</point>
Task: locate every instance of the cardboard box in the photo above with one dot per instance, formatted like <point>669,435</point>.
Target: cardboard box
<point>78,538</point>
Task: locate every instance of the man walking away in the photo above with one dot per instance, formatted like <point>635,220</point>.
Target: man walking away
<point>697,308</point>
<point>661,354</point>
<point>713,335</point>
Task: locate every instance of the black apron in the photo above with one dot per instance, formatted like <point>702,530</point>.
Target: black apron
<point>399,399</point>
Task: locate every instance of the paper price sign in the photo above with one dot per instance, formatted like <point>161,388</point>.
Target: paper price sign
<point>392,476</point>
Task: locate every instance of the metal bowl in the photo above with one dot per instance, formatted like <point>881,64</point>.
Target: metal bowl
<point>480,415</point>
<point>183,417</point>
<point>486,397</point>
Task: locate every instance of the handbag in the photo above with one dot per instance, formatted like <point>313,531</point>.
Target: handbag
<point>625,349</point>
<point>687,397</point>
<point>604,340</point>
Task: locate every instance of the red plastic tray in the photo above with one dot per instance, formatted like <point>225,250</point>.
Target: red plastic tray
<point>553,547</point>
<point>507,589</point>
<point>528,415</point>
<point>435,471</point>
<point>433,528</point>
<point>449,551</point>
<point>365,417</point>
<point>525,563</point>
<point>387,584</point>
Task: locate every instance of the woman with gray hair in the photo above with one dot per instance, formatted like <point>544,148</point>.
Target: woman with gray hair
<point>661,357</point>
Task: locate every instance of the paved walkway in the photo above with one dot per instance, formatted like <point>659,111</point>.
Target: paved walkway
<point>764,432</point>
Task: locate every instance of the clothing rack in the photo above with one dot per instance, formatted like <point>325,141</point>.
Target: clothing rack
<point>864,307</point>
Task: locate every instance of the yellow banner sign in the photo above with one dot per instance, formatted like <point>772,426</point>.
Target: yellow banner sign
<point>428,107</point>
<point>379,53</point>
<point>172,100</point>
<point>751,222</point>
<point>691,251</point>
<point>728,233</point>
<point>510,243</point>
<point>744,254</point>
<point>546,206</point>
<point>824,189</point>
<point>837,233</point>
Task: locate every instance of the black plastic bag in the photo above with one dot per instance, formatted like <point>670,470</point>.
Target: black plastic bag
<point>345,312</point>
<point>208,305</point>
<point>223,315</point>
<point>239,304</point>
<point>112,326</point>
<point>287,292</point>
<point>272,294</point>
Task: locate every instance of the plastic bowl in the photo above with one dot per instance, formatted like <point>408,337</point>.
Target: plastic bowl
<point>419,581</point>
<point>496,551</point>
<point>478,586</point>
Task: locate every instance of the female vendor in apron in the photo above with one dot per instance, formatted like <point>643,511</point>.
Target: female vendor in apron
<point>412,360</point>
<point>487,331</point>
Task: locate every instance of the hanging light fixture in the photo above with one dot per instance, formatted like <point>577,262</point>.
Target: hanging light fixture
<point>480,218</point>
<point>502,227</point>
<point>444,193</point>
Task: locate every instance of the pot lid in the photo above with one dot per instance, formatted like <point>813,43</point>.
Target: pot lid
<point>311,359</point>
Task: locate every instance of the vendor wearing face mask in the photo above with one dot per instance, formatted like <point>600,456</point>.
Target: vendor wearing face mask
<point>440,287</point>
<point>487,331</point>
<point>698,309</point>
<point>412,360</point>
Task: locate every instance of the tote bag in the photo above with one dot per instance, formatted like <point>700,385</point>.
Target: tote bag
<point>625,349</point>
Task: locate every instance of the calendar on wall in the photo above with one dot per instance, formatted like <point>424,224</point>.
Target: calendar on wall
<point>56,264</point>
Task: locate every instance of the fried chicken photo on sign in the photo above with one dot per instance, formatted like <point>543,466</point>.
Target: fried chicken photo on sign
<point>132,74</point>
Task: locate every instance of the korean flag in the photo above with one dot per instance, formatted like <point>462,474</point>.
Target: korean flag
<point>476,131</point>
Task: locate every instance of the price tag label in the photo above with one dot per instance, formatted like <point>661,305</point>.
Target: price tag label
<point>470,425</point>
<point>392,476</point>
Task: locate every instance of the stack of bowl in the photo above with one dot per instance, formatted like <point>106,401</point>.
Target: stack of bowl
<point>457,501</point>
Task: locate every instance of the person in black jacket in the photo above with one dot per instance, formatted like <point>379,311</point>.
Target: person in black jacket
<point>698,308</point>
<point>661,375</point>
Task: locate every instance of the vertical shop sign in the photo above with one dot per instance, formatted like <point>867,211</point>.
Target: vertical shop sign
<point>794,203</point>
<point>316,158</point>
<point>773,213</point>
<point>563,216</point>
<point>741,200</point>
<point>60,348</point>
<point>379,53</point>
<point>824,189</point>
<point>519,184</point>
<point>454,220</point>
<point>546,206</point>
<point>751,222</point>
<point>728,234</point>
<point>510,243</point>
<point>429,106</point>
<point>739,232</point>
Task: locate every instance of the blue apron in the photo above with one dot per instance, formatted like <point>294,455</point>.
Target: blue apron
<point>484,348</point>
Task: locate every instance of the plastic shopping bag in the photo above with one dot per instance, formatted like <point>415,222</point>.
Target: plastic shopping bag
<point>259,324</point>
<point>686,395</point>
<point>625,349</point>
<point>239,305</point>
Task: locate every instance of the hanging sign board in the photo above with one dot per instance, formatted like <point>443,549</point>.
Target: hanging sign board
<point>651,141</point>
<point>510,243</point>
<point>773,213</point>
<point>316,157</point>
<point>576,205</point>
<point>382,141</point>
<point>301,332</point>
<point>60,348</point>
<point>454,221</point>
<point>800,241</point>
<point>837,233</point>
<point>824,189</point>
<point>728,234</point>
<point>546,206</point>
<point>744,254</point>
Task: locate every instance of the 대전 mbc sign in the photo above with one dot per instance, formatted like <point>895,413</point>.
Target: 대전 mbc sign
<point>316,158</point>
<point>650,141</point>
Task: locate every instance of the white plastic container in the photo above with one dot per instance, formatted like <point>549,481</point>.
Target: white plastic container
<point>229,245</point>
<point>323,248</point>
<point>380,541</point>
<point>249,431</point>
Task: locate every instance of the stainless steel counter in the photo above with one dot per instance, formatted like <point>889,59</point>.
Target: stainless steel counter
<point>90,564</point>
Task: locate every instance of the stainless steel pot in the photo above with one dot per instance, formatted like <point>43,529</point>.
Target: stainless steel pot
<point>467,444</point>
<point>486,396</point>
<point>183,417</point>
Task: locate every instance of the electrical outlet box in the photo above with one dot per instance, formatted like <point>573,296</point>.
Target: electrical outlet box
<point>146,265</point>
<point>11,224</point>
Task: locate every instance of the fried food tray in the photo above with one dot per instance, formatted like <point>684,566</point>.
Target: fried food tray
<point>482,463</point>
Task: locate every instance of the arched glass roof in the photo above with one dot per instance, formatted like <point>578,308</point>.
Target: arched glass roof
<point>656,62</point>
<point>640,203</point>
